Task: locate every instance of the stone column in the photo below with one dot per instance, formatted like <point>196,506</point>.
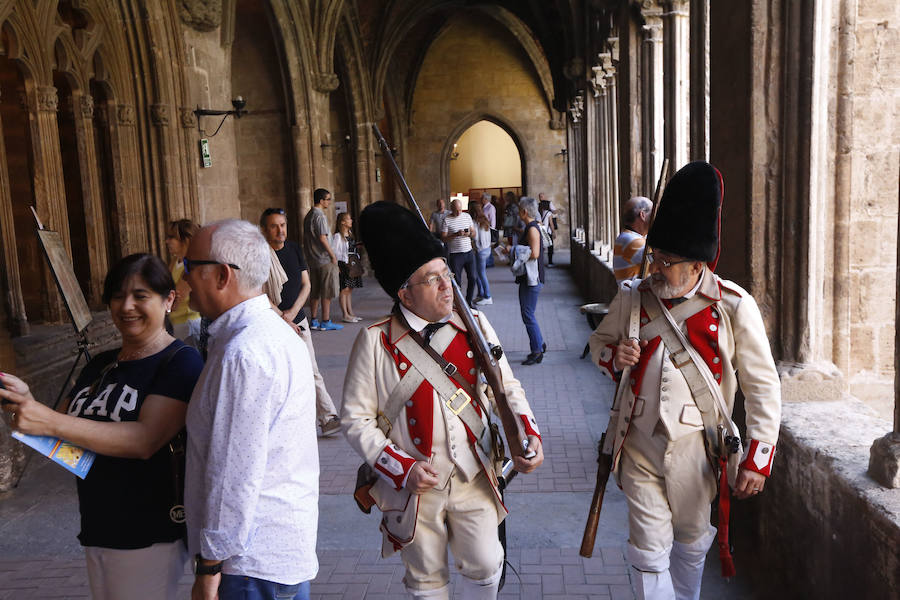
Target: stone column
<point>95,217</point>
<point>598,156</point>
<point>699,82</point>
<point>49,190</point>
<point>652,95</point>
<point>132,213</point>
<point>884,456</point>
<point>576,162</point>
<point>18,319</point>
<point>612,108</point>
<point>676,57</point>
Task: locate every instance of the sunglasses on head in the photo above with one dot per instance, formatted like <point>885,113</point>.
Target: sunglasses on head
<point>190,264</point>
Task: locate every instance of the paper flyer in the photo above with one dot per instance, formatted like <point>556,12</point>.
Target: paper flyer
<point>74,458</point>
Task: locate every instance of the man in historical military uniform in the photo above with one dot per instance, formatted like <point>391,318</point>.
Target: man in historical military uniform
<point>699,335</point>
<point>429,446</point>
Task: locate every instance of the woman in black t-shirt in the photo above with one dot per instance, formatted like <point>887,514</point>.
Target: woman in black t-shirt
<point>127,405</point>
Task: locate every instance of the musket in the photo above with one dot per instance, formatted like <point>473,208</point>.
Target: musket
<point>604,454</point>
<point>486,355</point>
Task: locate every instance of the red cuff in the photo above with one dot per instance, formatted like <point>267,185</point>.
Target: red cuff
<point>605,362</point>
<point>759,457</point>
<point>531,427</point>
<point>393,464</point>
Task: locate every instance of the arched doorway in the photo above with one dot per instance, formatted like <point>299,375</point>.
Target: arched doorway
<point>485,158</point>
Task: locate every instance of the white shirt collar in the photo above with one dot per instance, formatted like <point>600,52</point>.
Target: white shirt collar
<point>417,323</point>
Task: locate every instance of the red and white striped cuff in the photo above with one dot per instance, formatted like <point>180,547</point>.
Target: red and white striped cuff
<point>758,457</point>
<point>394,465</point>
<point>531,426</point>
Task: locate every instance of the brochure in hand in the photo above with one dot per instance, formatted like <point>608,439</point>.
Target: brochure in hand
<point>74,458</point>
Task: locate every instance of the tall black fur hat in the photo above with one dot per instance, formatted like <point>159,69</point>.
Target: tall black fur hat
<point>397,242</point>
<point>688,220</point>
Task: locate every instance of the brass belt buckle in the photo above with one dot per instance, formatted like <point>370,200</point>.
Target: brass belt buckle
<point>677,362</point>
<point>449,402</point>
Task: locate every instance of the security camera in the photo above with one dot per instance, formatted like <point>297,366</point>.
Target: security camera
<point>238,103</point>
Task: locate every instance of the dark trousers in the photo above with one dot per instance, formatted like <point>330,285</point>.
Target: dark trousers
<point>528,298</point>
<point>460,261</point>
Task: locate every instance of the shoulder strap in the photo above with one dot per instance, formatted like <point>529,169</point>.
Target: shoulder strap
<point>457,396</point>
<point>704,388</point>
<point>634,325</point>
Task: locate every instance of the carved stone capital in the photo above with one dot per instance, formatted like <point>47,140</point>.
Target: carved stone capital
<point>47,98</point>
<point>125,114</point>
<point>576,108</point>
<point>201,15</point>
<point>326,82</point>
<point>87,106</point>
<point>159,114</point>
<point>188,118</point>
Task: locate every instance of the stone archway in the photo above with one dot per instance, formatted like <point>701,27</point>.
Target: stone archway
<point>464,125</point>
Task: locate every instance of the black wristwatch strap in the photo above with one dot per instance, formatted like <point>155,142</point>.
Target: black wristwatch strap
<point>201,569</point>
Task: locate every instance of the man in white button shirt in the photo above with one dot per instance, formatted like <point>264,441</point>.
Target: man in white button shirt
<point>252,481</point>
<point>660,456</point>
<point>435,487</point>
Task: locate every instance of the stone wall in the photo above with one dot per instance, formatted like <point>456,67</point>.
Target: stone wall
<point>822,528</point>
<point>208,76</point>
<point>475,69</point>
<point>874,152</point>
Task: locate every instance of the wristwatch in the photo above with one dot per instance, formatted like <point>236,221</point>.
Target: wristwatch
<point>202,569</point>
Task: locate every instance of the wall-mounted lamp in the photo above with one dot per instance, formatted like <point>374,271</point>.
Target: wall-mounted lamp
<point>455,154</point>
<point>563,152</point>
<point>343,144</point>
<point>237,102</point>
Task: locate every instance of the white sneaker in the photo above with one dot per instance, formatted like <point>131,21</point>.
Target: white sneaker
<point>484,301</point>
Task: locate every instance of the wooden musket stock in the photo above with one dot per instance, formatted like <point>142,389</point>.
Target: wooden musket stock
<point>486,356</point>
<point>604,460</point>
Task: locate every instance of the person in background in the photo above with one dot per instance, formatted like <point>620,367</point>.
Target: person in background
<point>127,405</point>
<point>436,222</point>
<point>482,253</point>
<point>293,290</point>
<point>458,233</point>
<point>185,322</point>
<point>323,269</point>
<point>252,486</point>
<point>490,212</point>
<point>512,223</point>
<point>547,222</point>
<point>344,247</point>
<point>629,248</point>
<point>531,281</point>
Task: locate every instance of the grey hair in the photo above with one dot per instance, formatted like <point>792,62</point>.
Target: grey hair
<point>241,243</point>
<point>638,203</point>
<point>529,205</point>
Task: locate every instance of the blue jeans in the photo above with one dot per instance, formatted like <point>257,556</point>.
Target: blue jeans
<point>481,258</point>
<point>528,297</point>
<point>241,587</point>
<point>460,261</point>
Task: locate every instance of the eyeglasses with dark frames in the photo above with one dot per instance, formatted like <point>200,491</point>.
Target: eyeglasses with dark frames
<point>189,264</point>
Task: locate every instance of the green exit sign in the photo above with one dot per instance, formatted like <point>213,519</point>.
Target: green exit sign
<point>205,156</point>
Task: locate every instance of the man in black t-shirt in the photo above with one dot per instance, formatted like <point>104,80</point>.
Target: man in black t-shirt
<point>293,296</point>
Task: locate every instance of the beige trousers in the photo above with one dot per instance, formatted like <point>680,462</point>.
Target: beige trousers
<point>150,573</point>
<point>668,486</point>
<point>324,405</point>
<point>463,515</point>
